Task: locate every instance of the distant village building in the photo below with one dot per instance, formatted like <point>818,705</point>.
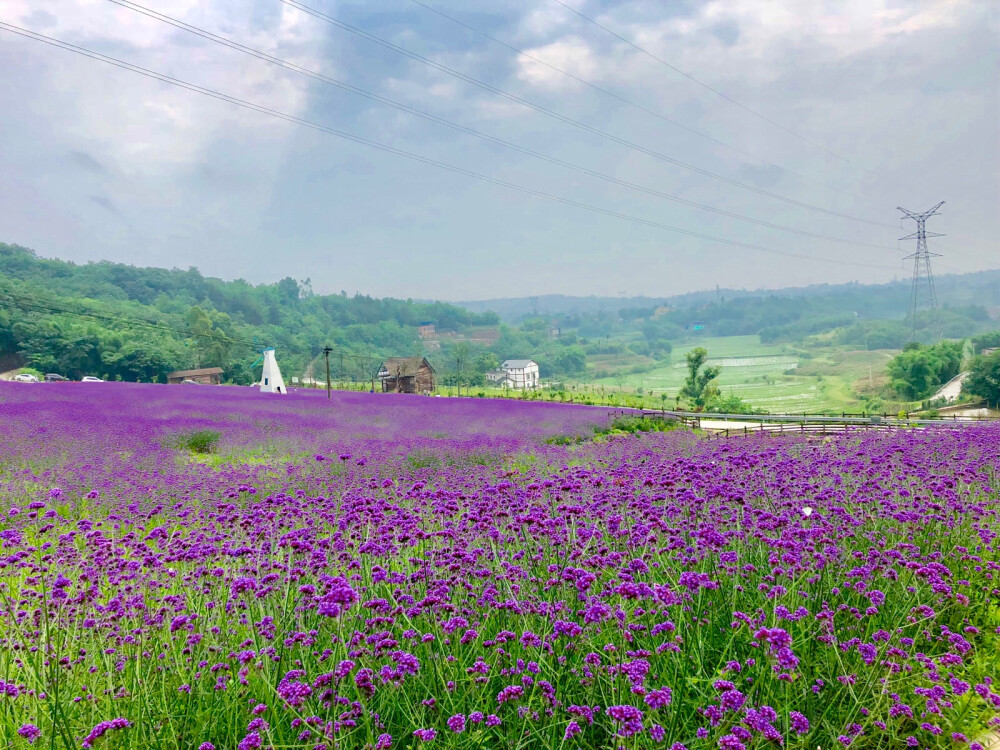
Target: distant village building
<point>515,373</point>
<point>426,330</point>
<point>991,351</point>
<point>204,376</point>
<point>270,379</point>
<point>406,375</point>
<point>500,379</point>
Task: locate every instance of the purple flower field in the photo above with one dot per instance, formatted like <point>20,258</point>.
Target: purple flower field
<point>387,571</point>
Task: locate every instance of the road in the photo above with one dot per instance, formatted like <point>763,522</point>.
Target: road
<point>725,424</point>
<point>951,390</point>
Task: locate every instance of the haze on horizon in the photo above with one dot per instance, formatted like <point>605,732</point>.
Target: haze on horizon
<point>102,163</point>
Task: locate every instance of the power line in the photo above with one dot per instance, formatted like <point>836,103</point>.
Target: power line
<point>569,120</point>
<point>409,155</point>
<point>715,91</point>
<point>469,131</point>
<point>626,100</point>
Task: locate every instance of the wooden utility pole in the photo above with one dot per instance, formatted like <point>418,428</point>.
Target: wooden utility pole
<point>326,353</point>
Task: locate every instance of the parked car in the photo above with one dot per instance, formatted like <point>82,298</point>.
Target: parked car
<point>55,378</point>
<point>188,381</point>
<point>25,377</point>
<point>90,379</point>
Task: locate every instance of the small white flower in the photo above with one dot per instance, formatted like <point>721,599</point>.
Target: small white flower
<point>807,511</point>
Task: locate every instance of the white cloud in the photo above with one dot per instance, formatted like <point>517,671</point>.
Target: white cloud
<point>570,54</point>
<point>768,30</point>
<point>544,19</point>
<point>175,125</point>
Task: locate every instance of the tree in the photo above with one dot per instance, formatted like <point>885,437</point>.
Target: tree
<point>571,361</point>
<point>984,379</point>
<point>210,332</point>
<point>149,360</point>
<point>698,388</point>
<point>919,370</point>
<point>731,404</point>
<point>988,340</point>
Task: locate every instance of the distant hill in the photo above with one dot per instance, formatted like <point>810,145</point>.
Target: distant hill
<point>980,287</point>
<point>515,309</point>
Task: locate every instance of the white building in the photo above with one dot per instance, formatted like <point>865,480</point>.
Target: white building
<point>515,373</point>
<point>271,380</point>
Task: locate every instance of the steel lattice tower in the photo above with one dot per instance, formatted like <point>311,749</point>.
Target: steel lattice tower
<point>923,295</point>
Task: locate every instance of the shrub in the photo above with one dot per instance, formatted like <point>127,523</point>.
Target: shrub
<point>199,441</point>
<point>633,425</point>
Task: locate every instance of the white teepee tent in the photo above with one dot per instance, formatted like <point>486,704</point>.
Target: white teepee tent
<point>271,380</point>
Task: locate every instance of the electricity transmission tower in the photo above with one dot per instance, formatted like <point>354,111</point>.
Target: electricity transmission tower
<point>922,295</point>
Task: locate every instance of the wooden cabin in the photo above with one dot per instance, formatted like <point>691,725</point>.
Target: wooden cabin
<point>406,375</point>
<point>204,376</point>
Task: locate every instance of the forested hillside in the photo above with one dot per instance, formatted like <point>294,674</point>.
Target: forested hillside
<point>116,320</point>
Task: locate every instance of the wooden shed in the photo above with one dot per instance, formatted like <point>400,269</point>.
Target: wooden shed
<point>204,376</point>
<point>406,375</point>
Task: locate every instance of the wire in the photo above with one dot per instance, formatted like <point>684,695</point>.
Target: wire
<point>409,155</point>
<point>483,136</point>
<point>569,120</point>
<point>715,91</point>
<point>629,102</point>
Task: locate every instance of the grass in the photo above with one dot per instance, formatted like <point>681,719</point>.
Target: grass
<point>619,426</point>
<point>776,378</point>
<point>198,441</point>
<point>770,377</point>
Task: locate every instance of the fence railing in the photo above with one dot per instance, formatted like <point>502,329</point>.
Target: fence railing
<point>792,423</point>
<point>785,428</point>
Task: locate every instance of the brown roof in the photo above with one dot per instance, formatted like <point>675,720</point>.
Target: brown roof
<point>195,373</point>
<point>404,366</point>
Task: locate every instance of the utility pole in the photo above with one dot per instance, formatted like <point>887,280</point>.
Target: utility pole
<point>922,294</point>
<point>458,375</point>
<point>326,353</point>
<point>371,367</point>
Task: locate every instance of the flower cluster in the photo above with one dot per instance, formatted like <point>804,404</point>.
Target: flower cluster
<point>444,579</point>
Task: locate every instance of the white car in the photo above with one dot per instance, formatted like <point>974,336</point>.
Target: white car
<point>25,377</point>
<point>90,379</point>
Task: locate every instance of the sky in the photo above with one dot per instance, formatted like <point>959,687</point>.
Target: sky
<point>805,115</point>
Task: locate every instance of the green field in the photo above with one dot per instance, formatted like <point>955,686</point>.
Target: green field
<point>771,377</point>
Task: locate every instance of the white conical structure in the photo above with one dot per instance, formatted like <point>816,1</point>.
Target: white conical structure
<point>271,380</point>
